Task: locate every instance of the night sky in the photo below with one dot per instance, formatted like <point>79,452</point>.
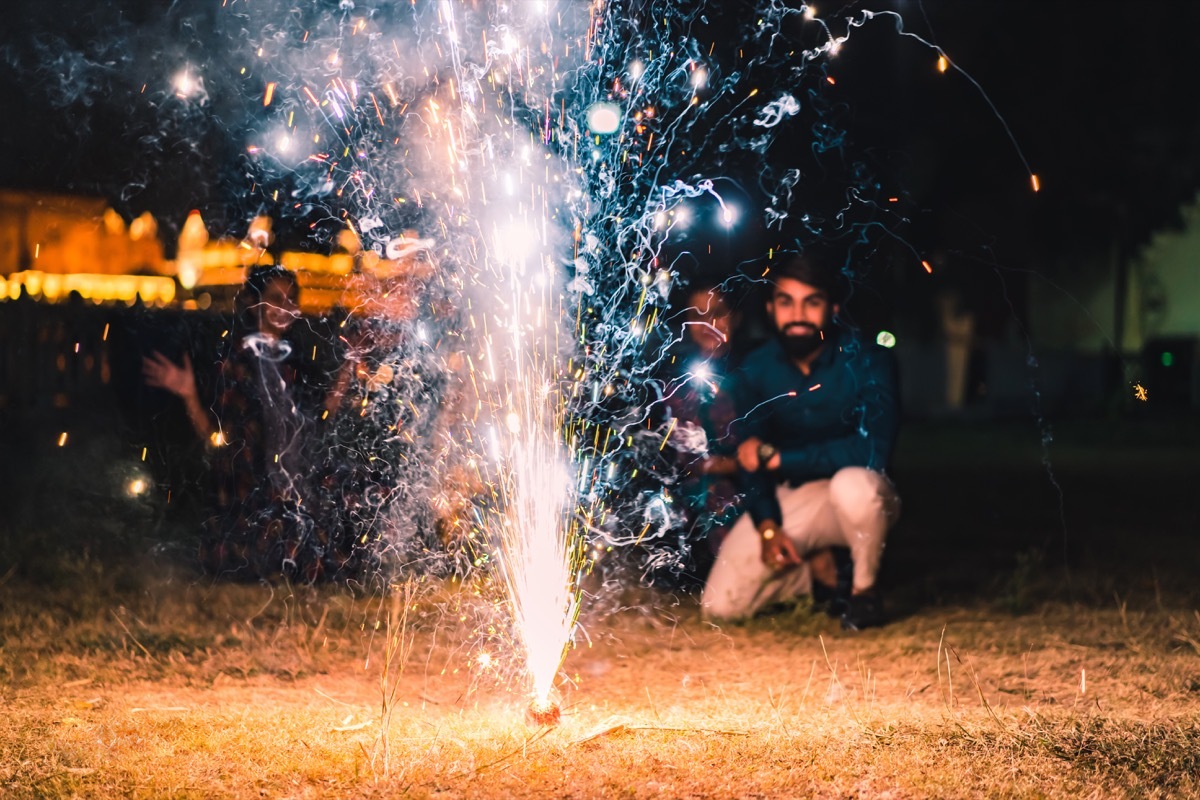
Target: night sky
<point>1097,99</point>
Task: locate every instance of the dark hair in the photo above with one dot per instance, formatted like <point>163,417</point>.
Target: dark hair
<point>710,287</point>
<point>257,280</point>
<point>813,270</point>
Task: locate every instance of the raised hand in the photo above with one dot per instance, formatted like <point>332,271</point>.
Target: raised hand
<point>163,373</point>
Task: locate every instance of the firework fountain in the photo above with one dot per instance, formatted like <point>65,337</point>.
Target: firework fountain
<point>450,124</point>
<point>551,150</point>
<point>548,153</point>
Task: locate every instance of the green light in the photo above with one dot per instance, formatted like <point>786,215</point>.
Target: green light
<point>1168,358</point>
<point>886,339</point>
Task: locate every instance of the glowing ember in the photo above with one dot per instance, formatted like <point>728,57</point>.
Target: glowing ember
<point>543,714</point>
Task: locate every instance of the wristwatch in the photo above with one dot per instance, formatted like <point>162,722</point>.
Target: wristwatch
<point>765,453</point>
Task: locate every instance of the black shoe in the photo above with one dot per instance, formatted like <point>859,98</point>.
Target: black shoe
<point>845,570</point>
<point>829,599</point>
<point>864,611</point>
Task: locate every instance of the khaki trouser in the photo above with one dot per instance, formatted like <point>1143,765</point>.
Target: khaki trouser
<point>852,509</point>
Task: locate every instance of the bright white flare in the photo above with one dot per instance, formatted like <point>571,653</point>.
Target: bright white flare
<point>183,84</point>
<point>536,554</point>
<point>188,85</point>
<point>603,118</point>
<point>538,545</point>
<point>514,243</point>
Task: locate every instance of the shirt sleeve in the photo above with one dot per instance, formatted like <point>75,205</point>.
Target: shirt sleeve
<point>875,411</point>
<point>747,395</point>
<point>760,500</point>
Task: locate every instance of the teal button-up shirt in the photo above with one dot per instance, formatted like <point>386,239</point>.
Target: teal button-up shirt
<point>844,413</point>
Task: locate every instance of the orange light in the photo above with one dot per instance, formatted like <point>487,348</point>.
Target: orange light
<point>62,439</point>
<point>270,93</point>
<point>943,64</point>
<point>928,267</point>
<point>1037,184</point>
<point>831,80</point>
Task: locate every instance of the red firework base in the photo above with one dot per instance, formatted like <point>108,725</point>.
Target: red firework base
<point>543,714</point>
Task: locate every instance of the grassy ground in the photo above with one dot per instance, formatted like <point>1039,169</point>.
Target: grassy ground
<point>1046,643</point>
<point>187,689</point>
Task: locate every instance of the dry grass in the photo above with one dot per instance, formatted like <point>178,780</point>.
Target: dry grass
<point>186,689</point>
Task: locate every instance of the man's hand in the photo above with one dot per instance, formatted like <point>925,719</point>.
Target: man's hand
<point>747,456</point>
<point>778,552</point>
<point>719,465</point>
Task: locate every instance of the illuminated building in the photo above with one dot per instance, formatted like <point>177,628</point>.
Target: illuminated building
<point>54,245</point>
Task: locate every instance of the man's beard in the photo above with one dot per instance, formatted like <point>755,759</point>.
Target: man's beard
<point>800,345</point>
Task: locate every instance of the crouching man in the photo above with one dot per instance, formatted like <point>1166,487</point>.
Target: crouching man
<point>818,413</point>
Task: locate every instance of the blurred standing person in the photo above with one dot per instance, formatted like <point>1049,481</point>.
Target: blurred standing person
<point>818,414</point>
<point>701,410</point>
<point>383,460</point>
<point>257,433</point>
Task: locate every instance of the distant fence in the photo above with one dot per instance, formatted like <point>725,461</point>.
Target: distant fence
<point>71,377</point>
<point>54,356</point>
<point>85,357</point>
<point>82,357</point>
